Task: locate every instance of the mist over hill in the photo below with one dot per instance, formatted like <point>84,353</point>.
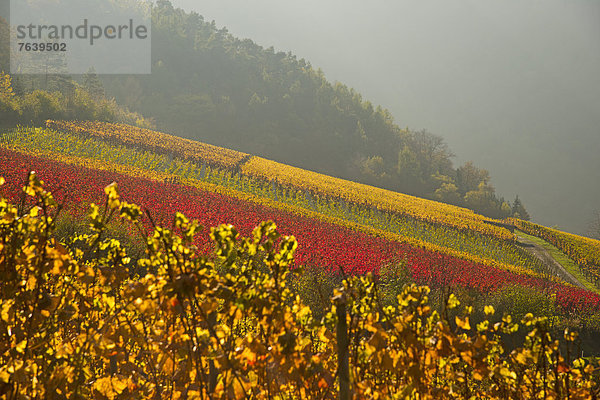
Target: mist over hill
<point>511,85</point>
<point>210,85</point>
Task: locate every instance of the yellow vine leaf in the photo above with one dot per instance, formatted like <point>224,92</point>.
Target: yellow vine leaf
<point>463,323</point>
<point>453,301</point>
<point>110,387</point>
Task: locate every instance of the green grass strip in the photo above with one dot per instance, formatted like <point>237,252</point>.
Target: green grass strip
<point>562,259</point>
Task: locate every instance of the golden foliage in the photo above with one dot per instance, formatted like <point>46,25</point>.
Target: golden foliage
<point>152,141</point>
<point>77,323</point>
<point>386,200</point>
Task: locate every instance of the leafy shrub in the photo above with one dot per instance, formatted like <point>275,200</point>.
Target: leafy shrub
<point>75,323</point>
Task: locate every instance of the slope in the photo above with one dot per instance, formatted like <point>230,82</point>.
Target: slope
<point>297,178</point>
<point>213,87</point>
<point>324,243</point>
<point>99,143</point>
<point>78,166</point>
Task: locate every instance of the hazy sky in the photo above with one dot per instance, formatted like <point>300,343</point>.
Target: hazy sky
<point>513,85</point>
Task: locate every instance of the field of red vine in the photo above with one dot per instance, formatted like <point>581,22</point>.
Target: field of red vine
<point>321,244</point>
<point>99,153</point>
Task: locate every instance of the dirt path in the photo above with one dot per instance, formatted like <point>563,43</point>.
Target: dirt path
<point>542,254</point>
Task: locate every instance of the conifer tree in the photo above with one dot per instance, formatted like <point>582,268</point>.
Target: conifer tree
<point>519,210</point>
<point>92,84</point>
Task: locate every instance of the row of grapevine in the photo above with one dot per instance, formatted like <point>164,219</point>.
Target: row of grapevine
<point>297,178</point>
<point>153,141</point>
<point>79,325</point>
<point>584,251</point>
<point>466,244</point>
<point>322,243</point>
<point>386,200</point>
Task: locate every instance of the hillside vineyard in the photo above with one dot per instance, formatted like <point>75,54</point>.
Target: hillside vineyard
<point>158,265</point>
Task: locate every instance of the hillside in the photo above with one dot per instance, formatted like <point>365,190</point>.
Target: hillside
<point>213,87</point>
<point>210,86</point>
<point>452,232</point>
<point>120,226</point>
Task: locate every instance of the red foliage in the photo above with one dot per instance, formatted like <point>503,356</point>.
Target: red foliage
<point>320,244</point>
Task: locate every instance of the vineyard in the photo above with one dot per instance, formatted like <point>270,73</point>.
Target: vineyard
<point>294,178</point>
<point>484,247</point>
<point>323,243</point>
<point>413,207</point>
<point>151,293</point>
<point>333,235</point>
<point>303,213</point>
<point>77,323</point>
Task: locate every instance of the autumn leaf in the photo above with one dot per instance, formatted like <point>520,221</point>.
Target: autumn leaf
<point>463,323</point>
<point>452,301</point>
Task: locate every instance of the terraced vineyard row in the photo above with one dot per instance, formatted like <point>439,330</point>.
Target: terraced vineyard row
<point>470,244</point>
<point>426,210</point>
<point>153,141</point>
<point>322,242</point>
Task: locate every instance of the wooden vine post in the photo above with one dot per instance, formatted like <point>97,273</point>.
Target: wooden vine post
<point>342,350</point>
